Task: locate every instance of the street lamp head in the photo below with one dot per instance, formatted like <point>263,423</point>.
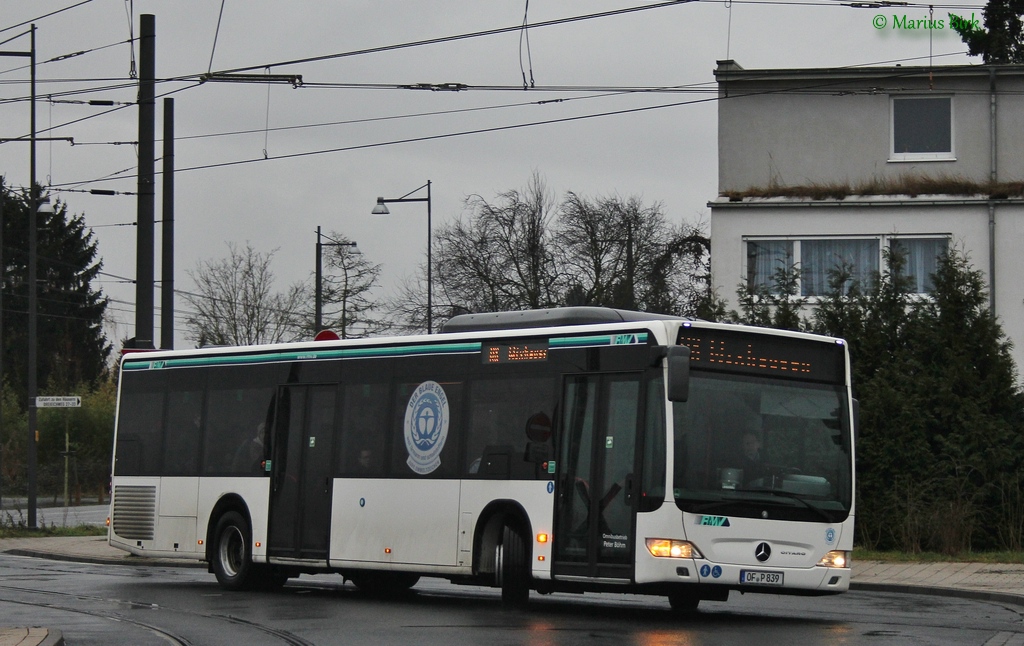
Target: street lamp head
<point>45,208</point>
<point>380,208</point>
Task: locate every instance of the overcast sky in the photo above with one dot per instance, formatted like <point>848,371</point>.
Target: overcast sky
<point>657,145</point>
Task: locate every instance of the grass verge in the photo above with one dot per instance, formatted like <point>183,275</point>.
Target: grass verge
<point>16,526</point>
<point>936,557</point>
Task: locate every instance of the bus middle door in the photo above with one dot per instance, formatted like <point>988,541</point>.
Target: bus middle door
<point>300,495</point>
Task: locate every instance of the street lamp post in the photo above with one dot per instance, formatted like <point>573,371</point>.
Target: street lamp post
<point>318,312</point>
<point>381,209</point>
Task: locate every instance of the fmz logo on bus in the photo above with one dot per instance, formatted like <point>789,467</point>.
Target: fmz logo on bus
<point>426,427</point>
<point>714,521</point>
<point>624,339</point>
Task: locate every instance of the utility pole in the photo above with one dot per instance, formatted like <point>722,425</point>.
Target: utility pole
<point>144,275</point>
<point>33,304</point>
<point>2,278</point>
<point>167,237</point>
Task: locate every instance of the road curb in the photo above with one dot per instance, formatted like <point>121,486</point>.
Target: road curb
<point>978,595</point>
<point>99,560</point>
<point>54,637</point>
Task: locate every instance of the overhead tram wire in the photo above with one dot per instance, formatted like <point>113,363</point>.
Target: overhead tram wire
<point>106,112</point>
<point>457,37</point>
<point>64,57</point>
<point>503,128</point>
<point>111,176</point>
<point>432,41</point>
<point>547,23</point>
<point>608,93</point>
<point>45,15</point>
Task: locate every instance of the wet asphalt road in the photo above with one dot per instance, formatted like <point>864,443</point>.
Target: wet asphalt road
<point>143,605</point>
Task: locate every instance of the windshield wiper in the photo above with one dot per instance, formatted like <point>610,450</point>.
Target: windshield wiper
<point>824,515</point>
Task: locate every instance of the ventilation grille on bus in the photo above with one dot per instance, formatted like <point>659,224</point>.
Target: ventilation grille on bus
<point>134,512</point>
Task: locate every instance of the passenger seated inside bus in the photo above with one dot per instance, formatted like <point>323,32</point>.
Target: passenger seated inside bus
<point>249,455</point>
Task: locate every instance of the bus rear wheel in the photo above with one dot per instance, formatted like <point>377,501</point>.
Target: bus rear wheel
<point>512,569</point>
<point>232,556</point>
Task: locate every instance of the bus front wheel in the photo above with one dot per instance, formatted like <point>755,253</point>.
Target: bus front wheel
<point>512,569</point>
<point>232,556</point>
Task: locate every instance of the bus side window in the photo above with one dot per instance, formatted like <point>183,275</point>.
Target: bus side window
<point>184,432</point>
<point>652,486</point>
<point>237,405</point>
<point>509,416</point>
<point>363,428</point>
<point>140,424</point>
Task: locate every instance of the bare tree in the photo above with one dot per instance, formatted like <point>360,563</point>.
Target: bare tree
<point>619,252</point>
<point>518,253</point>
<point>235,304</point>
<point>500,258</point>
<point>348,282</point>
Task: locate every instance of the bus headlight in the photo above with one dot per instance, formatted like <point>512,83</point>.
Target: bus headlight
<point>835,558</point>
<point>668,548</point>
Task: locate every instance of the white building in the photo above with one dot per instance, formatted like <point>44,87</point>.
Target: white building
<point>814,167</point>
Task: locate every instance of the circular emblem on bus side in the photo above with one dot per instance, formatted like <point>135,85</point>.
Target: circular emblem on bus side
<point>426,427</point>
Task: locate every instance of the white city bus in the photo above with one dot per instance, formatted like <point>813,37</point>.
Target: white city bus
<point>572,449</point>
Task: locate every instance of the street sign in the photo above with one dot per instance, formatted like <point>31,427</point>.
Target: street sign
<point>74,401</point>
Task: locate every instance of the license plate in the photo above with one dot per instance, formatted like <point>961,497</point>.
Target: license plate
<point>757,577</point>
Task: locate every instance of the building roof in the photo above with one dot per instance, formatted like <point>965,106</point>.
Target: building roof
<point>729,71</point>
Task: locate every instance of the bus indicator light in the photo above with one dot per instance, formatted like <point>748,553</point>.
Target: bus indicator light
<point>387,550</point>
<point>542,538</point>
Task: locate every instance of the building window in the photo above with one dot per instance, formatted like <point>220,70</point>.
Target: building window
<point>861,257</point>
<point>764,259</point>
<point>922,128</point>
<point>921,260</point>
<point>817,257</point>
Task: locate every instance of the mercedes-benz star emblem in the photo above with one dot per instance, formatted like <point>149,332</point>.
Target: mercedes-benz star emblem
<point>763,552</point>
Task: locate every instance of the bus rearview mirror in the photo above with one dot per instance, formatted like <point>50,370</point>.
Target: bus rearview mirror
<point>678,373</point>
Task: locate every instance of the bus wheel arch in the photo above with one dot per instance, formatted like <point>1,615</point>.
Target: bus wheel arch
<point>229,544</point>
<point>503,550</point>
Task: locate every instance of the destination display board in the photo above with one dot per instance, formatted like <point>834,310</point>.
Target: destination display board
<point>764,354</point>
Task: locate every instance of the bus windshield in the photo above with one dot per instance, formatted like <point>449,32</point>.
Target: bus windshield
<point>763,448</point>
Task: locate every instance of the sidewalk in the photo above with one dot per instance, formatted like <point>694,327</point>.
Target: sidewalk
<point>1002,583</point>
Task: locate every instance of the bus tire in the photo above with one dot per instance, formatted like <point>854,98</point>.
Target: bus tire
<point>683,601</point>
<point>232,552</point>
<point>513,572</point>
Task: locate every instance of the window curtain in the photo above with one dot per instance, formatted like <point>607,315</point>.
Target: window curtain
<point>764,258</point>
<point>817,257</point>
<point>922,260</point>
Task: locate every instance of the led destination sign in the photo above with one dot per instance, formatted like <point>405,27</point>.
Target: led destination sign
<point>517,352</point>
<point>761,354</point>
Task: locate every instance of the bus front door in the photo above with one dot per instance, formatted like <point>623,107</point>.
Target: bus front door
<point>595,513</point>
<point>300,498</point>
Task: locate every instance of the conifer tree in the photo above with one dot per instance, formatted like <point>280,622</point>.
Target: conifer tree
<point>72,348</point>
